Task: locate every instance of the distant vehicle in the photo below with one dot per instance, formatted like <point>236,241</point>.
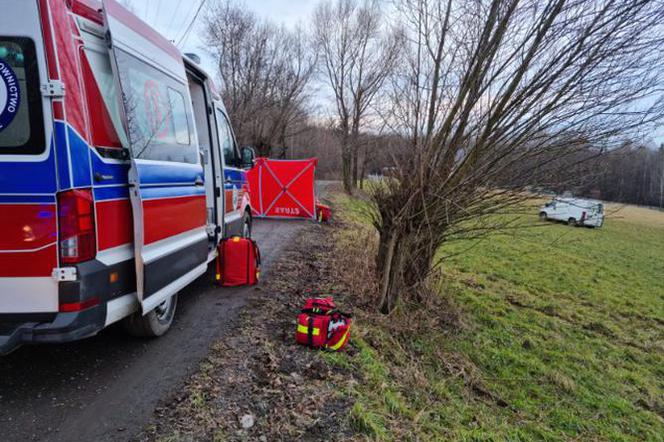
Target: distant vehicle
<point>574,211</point>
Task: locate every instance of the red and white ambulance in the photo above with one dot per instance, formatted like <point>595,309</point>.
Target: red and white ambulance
<point>119,172</point>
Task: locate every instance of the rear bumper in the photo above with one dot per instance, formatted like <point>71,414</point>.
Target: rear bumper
<point>92,283</point>
<point>65,327</point>
<point>592,222</point>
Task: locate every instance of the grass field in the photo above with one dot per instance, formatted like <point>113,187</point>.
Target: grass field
<point>561,338</point>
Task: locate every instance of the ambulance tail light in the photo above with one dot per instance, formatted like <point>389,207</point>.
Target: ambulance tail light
<point>77,226</point>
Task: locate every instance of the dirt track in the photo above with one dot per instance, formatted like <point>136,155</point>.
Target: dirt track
<point>106,388</point>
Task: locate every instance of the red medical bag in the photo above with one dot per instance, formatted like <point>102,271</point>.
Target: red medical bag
<point>321,325</point>
<point>238,262</point>
<point>323,213</point>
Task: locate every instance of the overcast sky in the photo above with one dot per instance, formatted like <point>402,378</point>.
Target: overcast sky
<point>172,17</point>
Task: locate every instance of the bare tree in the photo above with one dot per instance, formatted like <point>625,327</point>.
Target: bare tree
<point>498,95</point>
<point>357,54</point>
<point>266,72</point>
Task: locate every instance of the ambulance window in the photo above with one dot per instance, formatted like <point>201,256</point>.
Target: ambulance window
<point>21,119</point>
<point>158,119</point>
<point>107,128</point>
<point>179,116</point>
<point>226,140</point>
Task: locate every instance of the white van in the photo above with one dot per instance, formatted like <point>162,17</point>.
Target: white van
<point>574,211</point>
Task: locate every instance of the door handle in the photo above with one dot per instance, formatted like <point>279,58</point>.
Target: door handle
<point>199,181</point>
<point>101,177</point>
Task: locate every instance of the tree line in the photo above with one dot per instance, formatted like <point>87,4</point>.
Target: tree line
<point>632,174</point>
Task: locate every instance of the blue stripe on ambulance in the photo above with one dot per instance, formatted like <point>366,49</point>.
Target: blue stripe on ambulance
<point>174,174</point>
<point>28,177</point>
<point>27,199</point>
<point>111,193</point>
<point>150,193</point>
<point>80,159</point>
<point>60,144</point>
<point>113,173</point>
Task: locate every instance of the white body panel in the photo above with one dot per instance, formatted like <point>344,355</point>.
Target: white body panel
<point>584,212</point>
<point>28,295</point>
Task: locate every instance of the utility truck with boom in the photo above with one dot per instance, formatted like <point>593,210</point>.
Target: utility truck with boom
<point>574,211</point>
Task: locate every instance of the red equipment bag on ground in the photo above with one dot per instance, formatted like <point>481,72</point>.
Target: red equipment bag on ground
<point>323,212</point>
<point>321,325</point>
<point>238,262</point>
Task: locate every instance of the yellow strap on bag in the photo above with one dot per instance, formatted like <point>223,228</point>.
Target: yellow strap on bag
<point>341,341</point>
<point>304,329</point>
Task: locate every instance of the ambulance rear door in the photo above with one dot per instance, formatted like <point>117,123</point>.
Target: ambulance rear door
<point>166,179</point>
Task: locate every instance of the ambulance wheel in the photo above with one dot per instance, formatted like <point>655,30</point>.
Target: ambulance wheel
<point>246,225</point>
<point>571,222</point>
<point>154,324</point>
<point>542,216</point>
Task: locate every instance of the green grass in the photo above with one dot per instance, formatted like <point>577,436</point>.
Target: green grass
<point>563,340</point>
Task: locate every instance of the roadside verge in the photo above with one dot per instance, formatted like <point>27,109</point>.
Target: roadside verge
<point>257,384</point>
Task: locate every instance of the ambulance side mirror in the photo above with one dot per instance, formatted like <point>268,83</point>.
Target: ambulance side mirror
<point>248,155</point>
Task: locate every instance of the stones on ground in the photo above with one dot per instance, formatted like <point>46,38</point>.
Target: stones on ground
<point>247,421</point>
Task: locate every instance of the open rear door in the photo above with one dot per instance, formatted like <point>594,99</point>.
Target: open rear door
<point>166,178</point>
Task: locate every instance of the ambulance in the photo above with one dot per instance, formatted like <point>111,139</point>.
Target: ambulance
<point>119,172</point>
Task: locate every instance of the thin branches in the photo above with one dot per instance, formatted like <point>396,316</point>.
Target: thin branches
<point>501,95</point>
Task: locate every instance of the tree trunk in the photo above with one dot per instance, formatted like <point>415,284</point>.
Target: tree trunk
<point>387,266</point>
<point>403,263</point>
<point>355,163</point>
<point>346,164</point>
<point>661,181</point>
<point>363,171</point>
<point>354,148</point>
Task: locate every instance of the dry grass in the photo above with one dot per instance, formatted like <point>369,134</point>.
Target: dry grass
<point>634,215</point>
<point>558,337</point>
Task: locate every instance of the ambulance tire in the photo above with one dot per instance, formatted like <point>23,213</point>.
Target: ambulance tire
<point>246,224</point>
<point>572,222</point>
<point>154,324</point>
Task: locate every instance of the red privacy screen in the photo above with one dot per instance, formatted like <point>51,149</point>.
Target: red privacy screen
<point>283,188</point>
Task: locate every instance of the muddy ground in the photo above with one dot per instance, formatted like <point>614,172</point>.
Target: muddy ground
<point>257,383</point>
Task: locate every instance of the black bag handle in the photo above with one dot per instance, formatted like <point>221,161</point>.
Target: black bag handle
<point>310,332</point>
<point>310,311</point>
<point>221,251</point>
<point>258,252</point>
<point>248,266</point>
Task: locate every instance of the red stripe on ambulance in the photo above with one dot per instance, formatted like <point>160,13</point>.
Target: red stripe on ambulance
<point>27,245</point>
<point>166,217</point>
<point>20,265</point>
<point>29,227</point>
<point>114,223</point>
